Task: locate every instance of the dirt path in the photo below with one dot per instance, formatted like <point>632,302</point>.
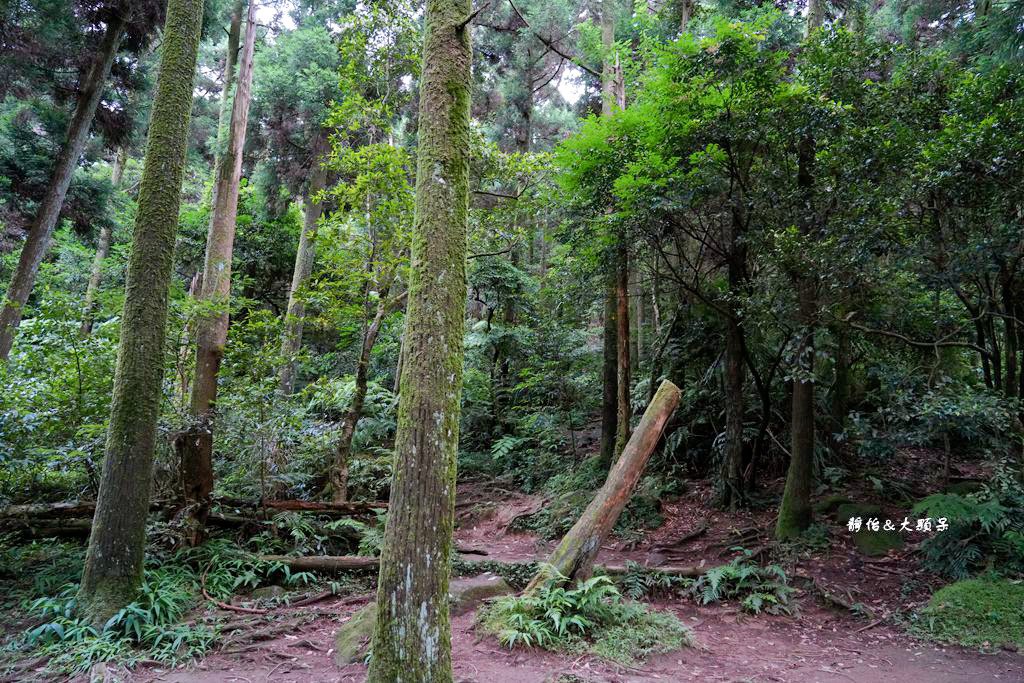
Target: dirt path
<point>817,645</point>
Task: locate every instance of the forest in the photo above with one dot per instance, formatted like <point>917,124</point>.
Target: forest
<point>561,341</point>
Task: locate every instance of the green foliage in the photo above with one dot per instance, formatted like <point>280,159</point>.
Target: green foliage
<point>590,617</point>
<point>758,589</point>
<point>641,582</point>
<point>984,612</point>
<point>985,528</point>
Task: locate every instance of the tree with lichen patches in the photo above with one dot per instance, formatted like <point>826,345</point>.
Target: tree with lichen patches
<point>412,639</point>
<point>114,561</point>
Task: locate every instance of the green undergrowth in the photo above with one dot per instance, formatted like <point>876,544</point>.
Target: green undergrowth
<point>984,612</point>
<point>591,617</point>
<point>40,604</point>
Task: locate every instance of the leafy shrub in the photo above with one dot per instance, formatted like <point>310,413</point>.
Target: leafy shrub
<point>758,589</point>
<point>590,617</point>
<point>983,526</point>
<point>987,612</point>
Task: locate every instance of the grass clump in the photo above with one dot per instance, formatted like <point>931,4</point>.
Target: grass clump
<point>590,617</point>
<point>983,612</point>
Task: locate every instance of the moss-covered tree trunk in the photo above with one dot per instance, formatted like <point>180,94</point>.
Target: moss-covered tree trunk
<point>412,639</point>
<point>38,240</point>
<point>113,564</point>
<point>291,339</point>
<point>102,248</point>
<point>195,446</point>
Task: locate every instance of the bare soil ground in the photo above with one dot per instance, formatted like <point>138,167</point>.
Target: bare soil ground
<point>820,643</point>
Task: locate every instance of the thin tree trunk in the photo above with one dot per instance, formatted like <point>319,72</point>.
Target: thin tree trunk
<point>38,241</point>
<point>227,90</point>
<point>685,14</point>
<point>795,513</point>
<point>114,560</point>
<point>102,248</point>
<point>343,449</point>
<point>610,409</point>
<point>195,446</point>
<point>412,637</point>
<point>610,378</point>
<point>291,340</point>
<point>574,557</point>
<point>1010,335</point>
<point>641,350</point>
<point>625,412</point>
<point>733,494</point>
<point>841,385</point>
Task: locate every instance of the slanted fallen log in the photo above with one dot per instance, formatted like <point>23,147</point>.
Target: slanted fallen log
<point>574,556</point>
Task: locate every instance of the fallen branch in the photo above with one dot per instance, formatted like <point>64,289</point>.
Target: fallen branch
<point>224,605</point>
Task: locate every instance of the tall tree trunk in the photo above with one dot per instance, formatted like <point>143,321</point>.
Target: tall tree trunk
<point>102,248</point>
<point>733,494</point>
<point>195,446</point>
<point>412,638</point>
<point>343,449</point>
<point>685,14</point>
<point>227,90</point>
<point>624,413</point>
<point>795,512</point>
<point>291,340</point>
<point>114,560</point>
<point>641,348</point>
<point>38,240</point>
<point>1010,335</point>
<point>609,377</point>
<point>815,15</point>
<point>841,386</point>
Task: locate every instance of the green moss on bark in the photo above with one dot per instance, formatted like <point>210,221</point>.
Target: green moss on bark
<point>114,561</point>
<point>412,640</point>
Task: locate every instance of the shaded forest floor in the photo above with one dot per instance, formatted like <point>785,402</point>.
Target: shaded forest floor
<point>823,641</point>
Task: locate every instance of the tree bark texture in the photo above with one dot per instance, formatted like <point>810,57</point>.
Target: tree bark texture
<point>38,241</point>
<point>195,446</point>
<point>412,638</point>
<point>114,560</point>
<point>574,557</point>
